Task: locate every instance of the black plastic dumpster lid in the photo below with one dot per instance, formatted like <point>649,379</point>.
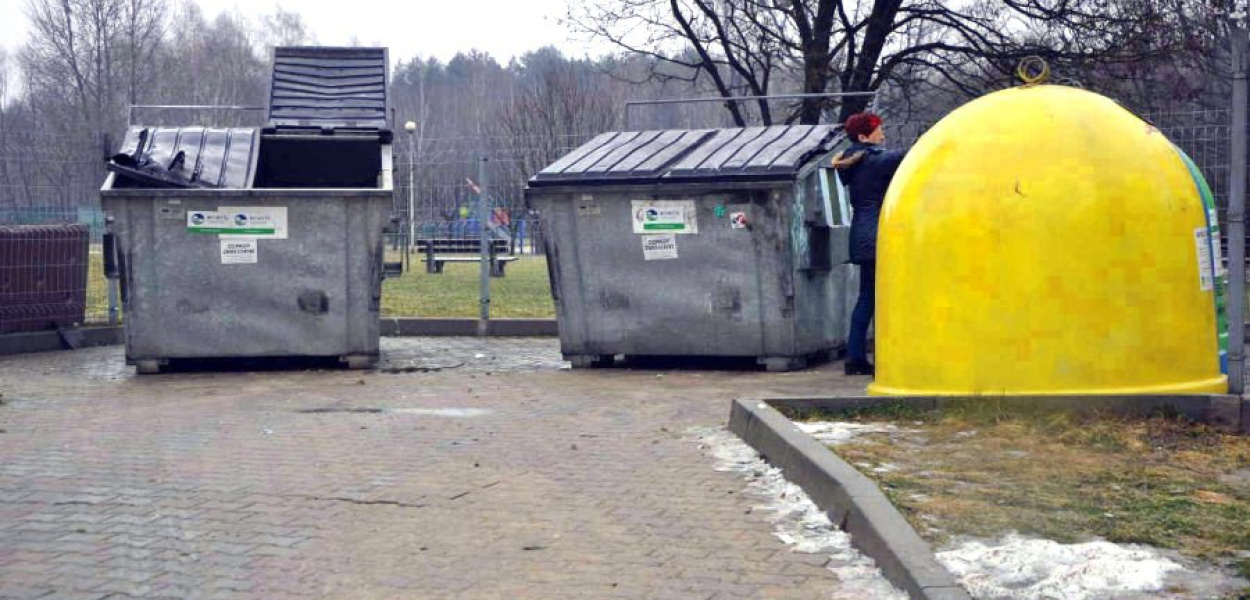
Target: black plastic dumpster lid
<point>776,152</point>
<point>328,88</point>
<point>215,158</point>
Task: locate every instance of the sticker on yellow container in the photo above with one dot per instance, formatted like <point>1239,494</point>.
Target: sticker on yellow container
<point>1206,275</point>
<point>1217,261</point>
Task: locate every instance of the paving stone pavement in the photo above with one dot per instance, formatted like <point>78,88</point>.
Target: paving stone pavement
<point>462,469</point>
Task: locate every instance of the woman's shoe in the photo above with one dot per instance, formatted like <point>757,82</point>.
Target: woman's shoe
<point>859,367</point>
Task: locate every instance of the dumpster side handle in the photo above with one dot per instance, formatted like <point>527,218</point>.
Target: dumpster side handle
<point>110,255</point>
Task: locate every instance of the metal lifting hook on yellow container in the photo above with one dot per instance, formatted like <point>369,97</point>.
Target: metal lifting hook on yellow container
<point>1033,70</point>
<point>1044,240</point>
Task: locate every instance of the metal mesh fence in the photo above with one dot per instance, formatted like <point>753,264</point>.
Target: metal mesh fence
<point>44,274</point>
<point>439,245</point>
<point>444,200</point>
<point>41,268</point>
<point>442,270</point>
<point>1203,135</point>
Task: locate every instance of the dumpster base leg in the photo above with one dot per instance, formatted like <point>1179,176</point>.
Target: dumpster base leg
<point>781,364</point>
<point>357,362</point>
<point>148,367</point>
<point>590,361</point>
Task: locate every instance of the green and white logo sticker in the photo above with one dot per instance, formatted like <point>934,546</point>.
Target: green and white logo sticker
<point>665,216</point>
<point>232,223</point>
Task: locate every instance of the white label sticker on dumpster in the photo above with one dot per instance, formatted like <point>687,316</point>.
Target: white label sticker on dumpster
<point>665,216</point>
<point>659,247</point>
<point>261,216</point>
<point>1206,277</point>
<point>238,251</point>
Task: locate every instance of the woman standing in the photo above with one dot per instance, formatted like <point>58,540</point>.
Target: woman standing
<point>866,171</point>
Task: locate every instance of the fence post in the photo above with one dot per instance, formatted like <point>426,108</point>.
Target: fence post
<point>1238,39</point>
<point>483,220</point>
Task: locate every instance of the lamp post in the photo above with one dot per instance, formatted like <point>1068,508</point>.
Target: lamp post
<point>411,128</point>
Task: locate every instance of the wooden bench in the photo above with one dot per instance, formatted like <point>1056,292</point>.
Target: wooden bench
<point>460,246</point>
<point>497,263</point>
<point>469,247</point>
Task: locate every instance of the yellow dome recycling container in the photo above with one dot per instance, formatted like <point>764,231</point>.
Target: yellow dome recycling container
<point>1044,240</point>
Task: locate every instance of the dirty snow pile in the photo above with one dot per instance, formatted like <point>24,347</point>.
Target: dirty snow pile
<point>797,521</point>
<point>1018,568</point>
<point>838,432</point>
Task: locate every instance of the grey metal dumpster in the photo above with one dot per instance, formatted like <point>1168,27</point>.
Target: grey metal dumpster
<point>270,241</point>
<point>729,242</point>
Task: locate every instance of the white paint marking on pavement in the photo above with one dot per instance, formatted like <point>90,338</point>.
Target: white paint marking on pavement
<point>443,412</point>
<point>797,521</point>
<point>1018,568</point>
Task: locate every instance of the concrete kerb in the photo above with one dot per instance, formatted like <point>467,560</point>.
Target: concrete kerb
<point>66,339</point>
<point>853,502</point>
<point>859,507</point>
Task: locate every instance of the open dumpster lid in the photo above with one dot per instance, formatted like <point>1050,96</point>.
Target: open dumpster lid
<point>202,157</point>
<point>754,153</point>
<point>328,88</point>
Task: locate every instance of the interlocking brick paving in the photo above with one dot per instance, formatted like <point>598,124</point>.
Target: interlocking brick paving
<point>461,469</point>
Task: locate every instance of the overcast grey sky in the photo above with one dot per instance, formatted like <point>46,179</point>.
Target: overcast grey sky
<point>504,28</point>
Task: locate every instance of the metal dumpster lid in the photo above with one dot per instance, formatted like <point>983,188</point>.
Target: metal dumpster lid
<point>328,88</point>
<point>212,157</point>
<point>775,152</point>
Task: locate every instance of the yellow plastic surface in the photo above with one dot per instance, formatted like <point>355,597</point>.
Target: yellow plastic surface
<point>1041,240</point>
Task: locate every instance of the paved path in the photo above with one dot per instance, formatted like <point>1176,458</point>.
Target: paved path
<point>471,470</point>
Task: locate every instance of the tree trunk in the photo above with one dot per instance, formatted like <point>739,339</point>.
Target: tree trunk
<point>880,24</point>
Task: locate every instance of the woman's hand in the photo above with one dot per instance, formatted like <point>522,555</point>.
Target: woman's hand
<point>841,161</point>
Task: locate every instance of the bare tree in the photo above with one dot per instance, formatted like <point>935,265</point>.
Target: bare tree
<point>222,61</point>
<point>96,50</point>
<point>6,180</point>
<point>857,46</point>
<point>143,24</point>
<point>557,104</point>
<point>4,78</point>
<point>285,28</point>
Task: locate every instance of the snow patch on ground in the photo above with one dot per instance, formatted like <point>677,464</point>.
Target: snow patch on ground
<point>797,521</point>
<point>1018,568</point>
<point>838,432</point>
